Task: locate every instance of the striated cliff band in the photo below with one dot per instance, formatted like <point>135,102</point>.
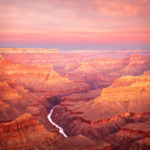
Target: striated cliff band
<point>116,107</point>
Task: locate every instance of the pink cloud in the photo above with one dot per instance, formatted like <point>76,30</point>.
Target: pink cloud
<point>123,8</point>
<point>58,21</point>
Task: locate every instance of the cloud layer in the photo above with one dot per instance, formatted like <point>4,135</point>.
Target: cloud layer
<point>75,22</point>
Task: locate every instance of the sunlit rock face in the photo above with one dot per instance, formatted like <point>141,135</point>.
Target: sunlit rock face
<point>101,72</point>
<point>130,96</point>
<point>15,100</point>
<point>9,91</point>
<point>97,72</point>
<point>25,132</point>
<point>106,114</point>
<point>39,78</point>
<point>128,80</point>
<point>137,64</point>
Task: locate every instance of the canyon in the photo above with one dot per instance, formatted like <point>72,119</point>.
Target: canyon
<point>74,101</point>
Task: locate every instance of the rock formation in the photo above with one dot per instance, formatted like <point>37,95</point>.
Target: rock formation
<point>83,96</point>
<point>39,78</point>
<point>116,107</point>
<point>102,103</point>
<point>131,136</point>
<point>25,132</point>
<point>15,100</point>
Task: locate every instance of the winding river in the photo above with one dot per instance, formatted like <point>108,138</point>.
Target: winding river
<point>61,131</point>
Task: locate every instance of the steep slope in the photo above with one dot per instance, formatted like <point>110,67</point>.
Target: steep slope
<point>115,107</point>
<point>39,78</point>
<point>96,72</point>
<point>131,136</point>
<point>83,96</point>
<point>100,65</point>
<point>15,100</point>
<point>128,80</point>
<point>25,132</point>
<point>101,72</point>
<point>137,64</point>
<point>133,96</point>
<point>40,56</point>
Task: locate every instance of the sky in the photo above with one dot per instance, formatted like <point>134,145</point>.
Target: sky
<point>75,24</point>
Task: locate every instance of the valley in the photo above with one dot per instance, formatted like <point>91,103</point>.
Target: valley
<point>66,101</point>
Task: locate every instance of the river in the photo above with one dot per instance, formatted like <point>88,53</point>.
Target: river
<point>61,131</point>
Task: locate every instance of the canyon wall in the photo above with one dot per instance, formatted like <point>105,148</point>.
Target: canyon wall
<point>102,103</point>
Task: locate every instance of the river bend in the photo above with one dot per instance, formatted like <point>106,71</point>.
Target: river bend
<point>61,131</point>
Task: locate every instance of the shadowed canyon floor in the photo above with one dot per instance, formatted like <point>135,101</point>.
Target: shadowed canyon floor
<point>100,103</point>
